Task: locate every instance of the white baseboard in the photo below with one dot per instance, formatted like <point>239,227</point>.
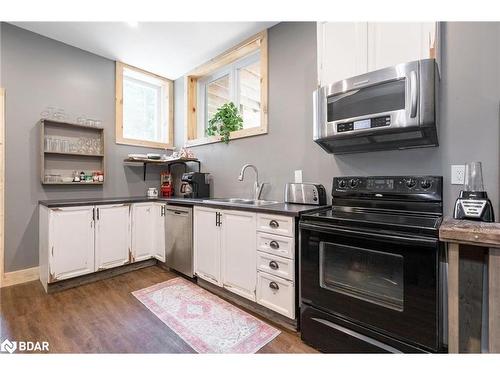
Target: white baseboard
<point>19,277</point>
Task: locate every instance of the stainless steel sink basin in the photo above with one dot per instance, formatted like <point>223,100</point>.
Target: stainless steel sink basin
<point>240,201</point>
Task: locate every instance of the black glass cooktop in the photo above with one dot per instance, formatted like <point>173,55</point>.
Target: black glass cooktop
<point>377,219</point>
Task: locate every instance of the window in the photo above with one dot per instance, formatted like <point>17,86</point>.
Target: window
<point>143,108</point>
<point>239,76</point>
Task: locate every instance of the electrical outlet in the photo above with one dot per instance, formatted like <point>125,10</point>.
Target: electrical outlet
<point>457,174</point>
<point>298,176</point>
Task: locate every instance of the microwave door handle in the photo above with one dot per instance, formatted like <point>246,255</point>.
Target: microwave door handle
<point>413,94</point>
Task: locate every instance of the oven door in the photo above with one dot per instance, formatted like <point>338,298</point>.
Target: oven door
<point>387,283</point>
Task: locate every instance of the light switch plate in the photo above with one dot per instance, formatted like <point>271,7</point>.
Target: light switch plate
<point>457,174</point>
<point>298,176</point>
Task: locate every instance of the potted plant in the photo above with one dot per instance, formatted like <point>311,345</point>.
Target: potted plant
<point>225,121</point>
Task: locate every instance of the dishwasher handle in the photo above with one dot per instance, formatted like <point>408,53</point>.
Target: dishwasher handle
<point>178,211</point>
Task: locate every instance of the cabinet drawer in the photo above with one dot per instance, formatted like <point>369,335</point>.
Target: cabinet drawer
<point>281,225</point>
<point>277,245</point>
<point>275,265</point>
<point>276,294</point>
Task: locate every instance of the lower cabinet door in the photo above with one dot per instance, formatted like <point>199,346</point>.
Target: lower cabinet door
<point>159,235</point>
<point>206,242</point>
<point>112,236</point>
<point>143,231</point>
<point>238,242</point>
<point>276,294</point>
<point>71,242</point>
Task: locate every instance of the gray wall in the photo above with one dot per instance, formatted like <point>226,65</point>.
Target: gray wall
<point>469,130</point>
<point>37,72</point>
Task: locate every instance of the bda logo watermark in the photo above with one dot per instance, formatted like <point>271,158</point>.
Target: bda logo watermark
<point>24,346</point>
<point>8,346</point>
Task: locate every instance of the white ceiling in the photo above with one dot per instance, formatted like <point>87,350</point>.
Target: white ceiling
<point>169,49</point>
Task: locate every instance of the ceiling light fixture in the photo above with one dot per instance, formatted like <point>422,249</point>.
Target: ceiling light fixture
<point>132,23</point>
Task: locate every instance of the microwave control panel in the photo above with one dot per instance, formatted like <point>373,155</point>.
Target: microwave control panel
<point>369,123</point>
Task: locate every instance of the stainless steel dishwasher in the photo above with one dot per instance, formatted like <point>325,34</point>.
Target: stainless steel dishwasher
<point>179,239</point>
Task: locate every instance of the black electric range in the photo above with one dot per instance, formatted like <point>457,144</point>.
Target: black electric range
<point>370,267</point>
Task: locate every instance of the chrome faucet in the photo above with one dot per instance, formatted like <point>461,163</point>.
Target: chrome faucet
<point>256,186</point>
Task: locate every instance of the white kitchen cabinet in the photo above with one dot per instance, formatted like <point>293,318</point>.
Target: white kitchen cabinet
<point>391,43</point>
<point>70,242</point>
<point>347,49</point>
<point>207,244</point>
<point>159,245</point>
<point>238,252</point>
<point>112,236</point>
<point>342,50</point>
<point>143,231</point>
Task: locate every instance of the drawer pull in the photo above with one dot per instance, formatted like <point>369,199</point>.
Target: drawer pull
<point>273,265</point>
<point>274,286</point>
<point>274,245</point>
<point>274,224</point>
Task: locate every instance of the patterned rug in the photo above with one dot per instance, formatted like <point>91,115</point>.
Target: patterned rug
<point>206,322</point>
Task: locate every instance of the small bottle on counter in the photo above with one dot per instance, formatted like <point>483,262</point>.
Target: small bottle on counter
<point>82,176</point>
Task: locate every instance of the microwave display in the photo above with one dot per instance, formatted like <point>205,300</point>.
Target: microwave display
<point>364,124</point>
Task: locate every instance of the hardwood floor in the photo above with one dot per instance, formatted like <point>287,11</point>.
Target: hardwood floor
<point>102,317</point>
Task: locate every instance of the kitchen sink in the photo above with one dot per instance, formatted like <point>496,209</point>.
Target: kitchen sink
<point>240,201</point>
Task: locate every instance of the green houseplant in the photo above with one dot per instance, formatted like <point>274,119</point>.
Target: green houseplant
<point>225,121</point>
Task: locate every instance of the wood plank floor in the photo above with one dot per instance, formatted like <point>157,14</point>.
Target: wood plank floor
<point>102,317</point>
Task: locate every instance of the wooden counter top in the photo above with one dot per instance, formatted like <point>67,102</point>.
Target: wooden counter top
<point>470,232</point>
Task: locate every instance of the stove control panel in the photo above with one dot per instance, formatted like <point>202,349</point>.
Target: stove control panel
<point>391,185</point>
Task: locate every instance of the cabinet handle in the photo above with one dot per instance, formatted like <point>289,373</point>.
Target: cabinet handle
<point>216,219</point>
<point>274,286</point>
<point>274,224</point>
<point>273,265</point>
<point>93,214</point>
<point>97,214</point>
<point>274,245</point>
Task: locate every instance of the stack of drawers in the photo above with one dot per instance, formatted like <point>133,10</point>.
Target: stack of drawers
<point>276,264</point>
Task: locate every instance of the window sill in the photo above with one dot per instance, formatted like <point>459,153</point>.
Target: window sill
<point>148,144</point>
<point>239,134</point>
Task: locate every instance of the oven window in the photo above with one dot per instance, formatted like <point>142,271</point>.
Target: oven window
<point>372,276</point>
<point>386,97</point>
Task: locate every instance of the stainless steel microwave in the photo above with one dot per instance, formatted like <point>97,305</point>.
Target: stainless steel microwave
<point>391,108</point>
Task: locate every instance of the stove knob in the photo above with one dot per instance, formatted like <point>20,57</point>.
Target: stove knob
<point>425,184</point>
<point>353,183</point>
<point>410,183</point>
<point>342,184</point>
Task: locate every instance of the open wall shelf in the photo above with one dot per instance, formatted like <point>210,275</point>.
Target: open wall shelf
<point>67,147</point>
<point>136,162</point>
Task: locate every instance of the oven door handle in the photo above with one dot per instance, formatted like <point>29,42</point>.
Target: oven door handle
<point>382,237</point>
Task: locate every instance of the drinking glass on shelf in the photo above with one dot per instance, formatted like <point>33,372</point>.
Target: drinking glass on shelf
<point>46,144</point>
<point>59,114</point>
<point>97,123</point>
<point>81,120</point>
<point>64,145</point>
<point>88,144</point>
<point>81,145</point>
<point>54,145</point>
<point>89,122</point>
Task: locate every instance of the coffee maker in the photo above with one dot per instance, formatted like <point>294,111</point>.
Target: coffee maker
<point>473,202</point>
<point>195,185</point>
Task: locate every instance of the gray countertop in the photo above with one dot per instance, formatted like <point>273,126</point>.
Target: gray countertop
<point>287,209</point>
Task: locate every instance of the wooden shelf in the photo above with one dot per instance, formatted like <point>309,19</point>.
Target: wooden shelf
<point>73,154</point>
<point>64,163</point>
<point>51,122</point>
<point>73,183</point>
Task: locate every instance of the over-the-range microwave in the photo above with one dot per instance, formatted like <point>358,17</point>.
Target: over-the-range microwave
<point>391,108</point>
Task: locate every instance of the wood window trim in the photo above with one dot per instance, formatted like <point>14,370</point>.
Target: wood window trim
<point>119,110</point>
<point>257,42</point>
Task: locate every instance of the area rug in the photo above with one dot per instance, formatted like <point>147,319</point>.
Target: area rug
<point>204,321</point>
